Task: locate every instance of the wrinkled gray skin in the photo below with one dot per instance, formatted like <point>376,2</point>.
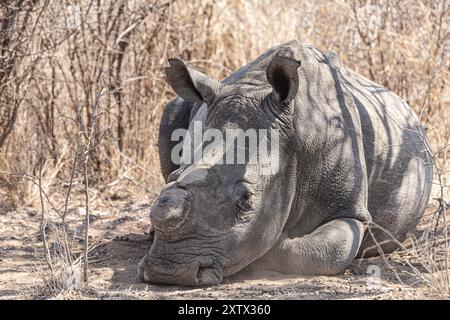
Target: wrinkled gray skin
<point>352,152</point>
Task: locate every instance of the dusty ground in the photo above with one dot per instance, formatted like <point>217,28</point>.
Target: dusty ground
<point>118,229</point>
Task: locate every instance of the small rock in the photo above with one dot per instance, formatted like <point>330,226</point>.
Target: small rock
<point>31,212</point>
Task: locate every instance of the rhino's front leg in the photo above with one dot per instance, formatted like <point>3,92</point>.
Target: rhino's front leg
<point>326,251</point>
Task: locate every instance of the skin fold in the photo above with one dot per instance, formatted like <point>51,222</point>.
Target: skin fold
<point>354,173</point>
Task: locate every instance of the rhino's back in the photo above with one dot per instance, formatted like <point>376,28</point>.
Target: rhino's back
<point>397,154</point>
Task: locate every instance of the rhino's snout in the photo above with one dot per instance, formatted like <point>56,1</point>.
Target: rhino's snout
<point>170,209</point>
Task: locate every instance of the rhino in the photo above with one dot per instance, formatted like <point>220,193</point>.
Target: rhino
<point>353,179</point>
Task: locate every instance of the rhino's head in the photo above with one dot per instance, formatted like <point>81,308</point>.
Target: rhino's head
<point>216,216</point>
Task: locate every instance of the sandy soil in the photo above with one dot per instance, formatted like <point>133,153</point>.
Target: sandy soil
<point>119,231</point>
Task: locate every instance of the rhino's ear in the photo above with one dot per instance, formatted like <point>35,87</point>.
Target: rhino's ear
<point>190,84</point>
<point>283,77</point>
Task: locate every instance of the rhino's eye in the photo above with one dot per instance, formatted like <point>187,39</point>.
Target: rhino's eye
<point>245,201</point>
<point>243,196</point>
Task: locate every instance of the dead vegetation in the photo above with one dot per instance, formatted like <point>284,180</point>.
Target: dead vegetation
<point>82,89</point>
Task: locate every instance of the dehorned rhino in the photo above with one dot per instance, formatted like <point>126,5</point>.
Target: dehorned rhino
<point>347,175</point>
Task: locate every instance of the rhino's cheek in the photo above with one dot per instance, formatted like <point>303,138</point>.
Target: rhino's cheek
<point>255,240</point>
<point>242,253</point>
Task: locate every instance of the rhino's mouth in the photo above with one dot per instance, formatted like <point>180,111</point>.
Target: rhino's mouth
<point>188,275</point>
<point>163,266</point>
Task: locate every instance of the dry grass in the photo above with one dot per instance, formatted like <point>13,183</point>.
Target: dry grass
<point>57,57</point>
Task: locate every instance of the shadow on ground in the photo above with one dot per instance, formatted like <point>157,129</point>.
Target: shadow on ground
<point>116,263</point>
